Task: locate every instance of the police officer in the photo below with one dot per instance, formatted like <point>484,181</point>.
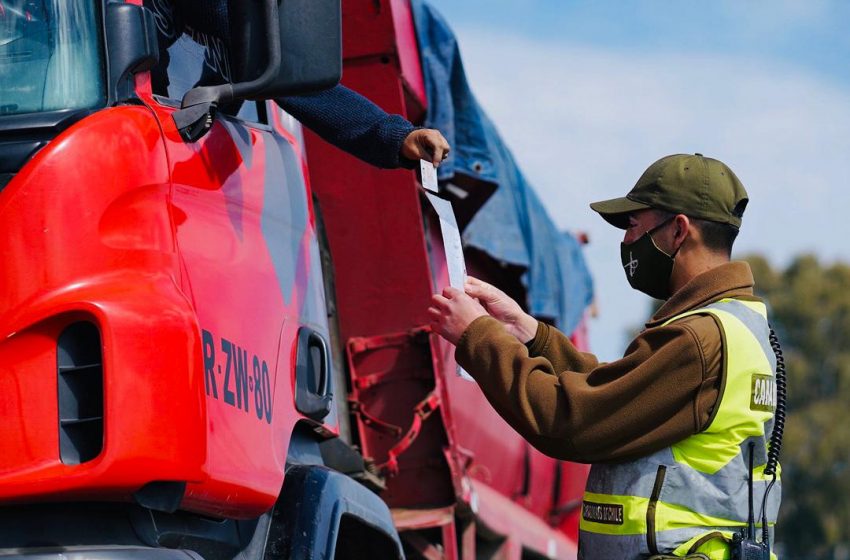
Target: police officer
<point>669,426</point>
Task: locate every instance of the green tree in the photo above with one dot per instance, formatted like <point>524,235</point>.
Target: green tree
<point>809,307</point>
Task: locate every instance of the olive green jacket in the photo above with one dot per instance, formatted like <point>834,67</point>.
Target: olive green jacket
<point>570,406</point>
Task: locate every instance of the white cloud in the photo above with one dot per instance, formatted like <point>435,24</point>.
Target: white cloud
<point>585,122</point>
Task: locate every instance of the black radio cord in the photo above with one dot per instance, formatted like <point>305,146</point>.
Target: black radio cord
<point>779,414</point>
<point>776,436</point>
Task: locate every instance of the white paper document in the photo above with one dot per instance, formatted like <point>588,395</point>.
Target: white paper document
<point>428,175</point>
<point>451,240</point>
<point>453,249</point>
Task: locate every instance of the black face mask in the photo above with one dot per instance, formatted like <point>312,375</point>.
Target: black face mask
<point>647,267</point>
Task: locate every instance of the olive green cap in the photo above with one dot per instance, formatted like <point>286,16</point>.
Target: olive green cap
<point>694,185</point>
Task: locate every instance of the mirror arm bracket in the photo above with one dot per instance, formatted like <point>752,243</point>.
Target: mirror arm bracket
<point>197,110</point>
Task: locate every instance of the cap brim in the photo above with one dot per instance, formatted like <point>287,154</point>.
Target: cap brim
<point>616,211</point>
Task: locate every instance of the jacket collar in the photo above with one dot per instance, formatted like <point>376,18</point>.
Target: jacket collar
<point>730,280</point>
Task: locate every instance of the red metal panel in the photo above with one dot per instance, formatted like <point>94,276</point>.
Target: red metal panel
<point>408,53</point>
<point>88,232</point>
<point>374,225</point>
<point>382,32</point>
<point>382,277</point>
<point>367,29</point>
<point>521,527</point>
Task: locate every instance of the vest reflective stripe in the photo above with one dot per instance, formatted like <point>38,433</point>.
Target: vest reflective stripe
<point>656,504</point>
<point>717,496</point>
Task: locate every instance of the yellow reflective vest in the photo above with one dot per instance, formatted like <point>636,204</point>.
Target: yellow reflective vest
<point>691,496</point>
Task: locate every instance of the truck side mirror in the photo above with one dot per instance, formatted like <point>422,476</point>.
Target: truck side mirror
<point>278,48</point>
<point>311,38</point>
<point>311,48</point>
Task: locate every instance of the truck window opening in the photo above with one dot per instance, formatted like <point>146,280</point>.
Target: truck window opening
<point>190,57</point>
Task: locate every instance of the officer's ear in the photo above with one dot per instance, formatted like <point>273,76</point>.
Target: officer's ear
<point>682,229</point>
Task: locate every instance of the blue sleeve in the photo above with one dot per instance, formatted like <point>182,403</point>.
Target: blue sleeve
<point>352,123</point>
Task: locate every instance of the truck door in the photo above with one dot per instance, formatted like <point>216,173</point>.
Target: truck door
<point>250,267</point>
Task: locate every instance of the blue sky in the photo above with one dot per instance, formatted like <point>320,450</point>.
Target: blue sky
<point>588,94</point>
<point>809,33</point>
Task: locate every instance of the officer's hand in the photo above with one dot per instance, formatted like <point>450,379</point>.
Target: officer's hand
<point>427,144</point>
<point>452,312</point>
<point>502,307</point>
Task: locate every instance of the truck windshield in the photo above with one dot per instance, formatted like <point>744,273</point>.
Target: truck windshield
<point>50,56</point>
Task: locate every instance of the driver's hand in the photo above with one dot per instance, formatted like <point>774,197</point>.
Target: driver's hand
<point>427,144</point>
